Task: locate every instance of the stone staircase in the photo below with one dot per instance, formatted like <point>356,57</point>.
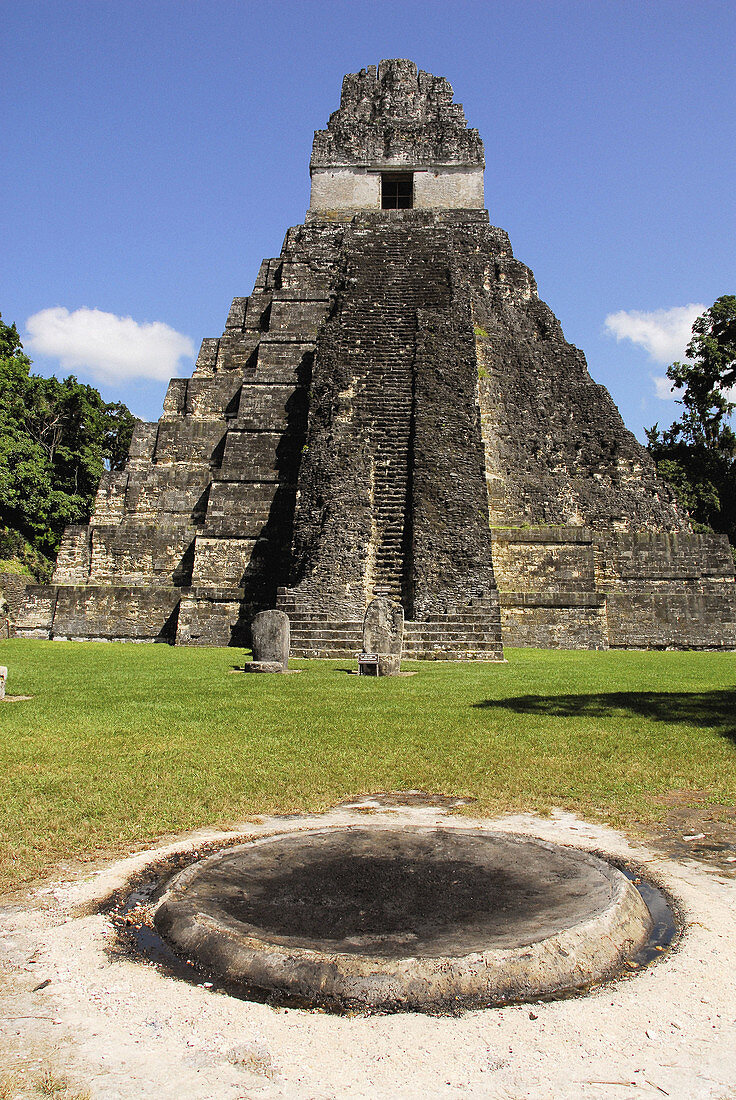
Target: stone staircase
<point>394,270</point>
<point>470,636</point>
<point>466,636</point>
<point>317,634</point>
<point>390,281</point>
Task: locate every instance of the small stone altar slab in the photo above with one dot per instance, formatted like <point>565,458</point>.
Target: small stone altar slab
<point>270,639</point>
<point>383,635</point>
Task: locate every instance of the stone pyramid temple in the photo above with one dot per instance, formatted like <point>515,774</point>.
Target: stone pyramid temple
<point>391,411</point>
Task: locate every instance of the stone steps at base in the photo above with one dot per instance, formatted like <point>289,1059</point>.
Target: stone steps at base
<point>304,619</point>
<point>448,621</point>
<point>471,641</point>
<point>451,645</point>
<point>318,636</point>
<point>469,630</point>
<point>315,653</point>
<point>468,638</point>
<point>457,653</point>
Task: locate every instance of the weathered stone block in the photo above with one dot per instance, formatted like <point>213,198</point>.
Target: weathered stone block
<point>240,509</point>
<point>73,558</point>
<point>255,451</point>
<point>187,440</point>
<point>36,617</point>
<point>383,633</point>
<point>270,641</point>
<point>212,618</point>
<point>12,598</point>
<point>265,407</point>
<point>236,354</point>
<point>143,553</point>
<point>296,319</point>
<point>546,624</point>
<point>236,316</point>
<point>142,444</point>
<point>110,612</point>
<point>110,499</point>
<point>221,561</point>
<point>207,358</point>
<point>283,362</point>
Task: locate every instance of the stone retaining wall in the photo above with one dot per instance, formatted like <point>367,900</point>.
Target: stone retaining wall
<point>576,588</point>
<point>13,591</point>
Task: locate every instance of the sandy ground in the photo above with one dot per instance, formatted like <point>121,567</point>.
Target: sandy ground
<point>118,1027</point>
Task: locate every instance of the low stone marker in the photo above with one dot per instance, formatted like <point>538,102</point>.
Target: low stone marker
<point>3,678</point>
<point>383,634</point>
<point>270,638</point>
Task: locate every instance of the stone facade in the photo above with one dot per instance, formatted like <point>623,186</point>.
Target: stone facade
<point>392,412</point>
<point>394,119</point>
<point>12,599</point>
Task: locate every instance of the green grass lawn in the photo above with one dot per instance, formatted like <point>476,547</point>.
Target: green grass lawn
<point>121,744</point>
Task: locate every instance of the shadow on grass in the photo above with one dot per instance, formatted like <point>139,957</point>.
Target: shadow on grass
<point>714,710</point>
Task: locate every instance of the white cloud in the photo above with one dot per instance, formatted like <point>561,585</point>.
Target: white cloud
<point>663,388</point>
<point>663,333</point>
<point>111,349</point>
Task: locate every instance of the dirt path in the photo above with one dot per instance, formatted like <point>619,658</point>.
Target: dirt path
<point>74,1007</point>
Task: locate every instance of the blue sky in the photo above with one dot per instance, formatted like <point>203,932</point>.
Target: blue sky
<point>154,152</point>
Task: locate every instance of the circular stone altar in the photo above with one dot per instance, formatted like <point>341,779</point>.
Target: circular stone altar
<point>387,918</point>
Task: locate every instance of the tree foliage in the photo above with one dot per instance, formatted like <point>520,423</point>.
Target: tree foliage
<point>56,439</point>
<point>697,454</point>
<point>705,379</point>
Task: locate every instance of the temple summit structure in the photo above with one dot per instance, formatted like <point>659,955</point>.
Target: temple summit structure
<point>391,412</point>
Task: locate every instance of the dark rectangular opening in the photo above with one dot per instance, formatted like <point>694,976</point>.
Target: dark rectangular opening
<point>397,190</point>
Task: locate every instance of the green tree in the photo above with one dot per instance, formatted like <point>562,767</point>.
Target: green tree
<point>697,454</point>
<point>706,377</point>
<point>56,439</point>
